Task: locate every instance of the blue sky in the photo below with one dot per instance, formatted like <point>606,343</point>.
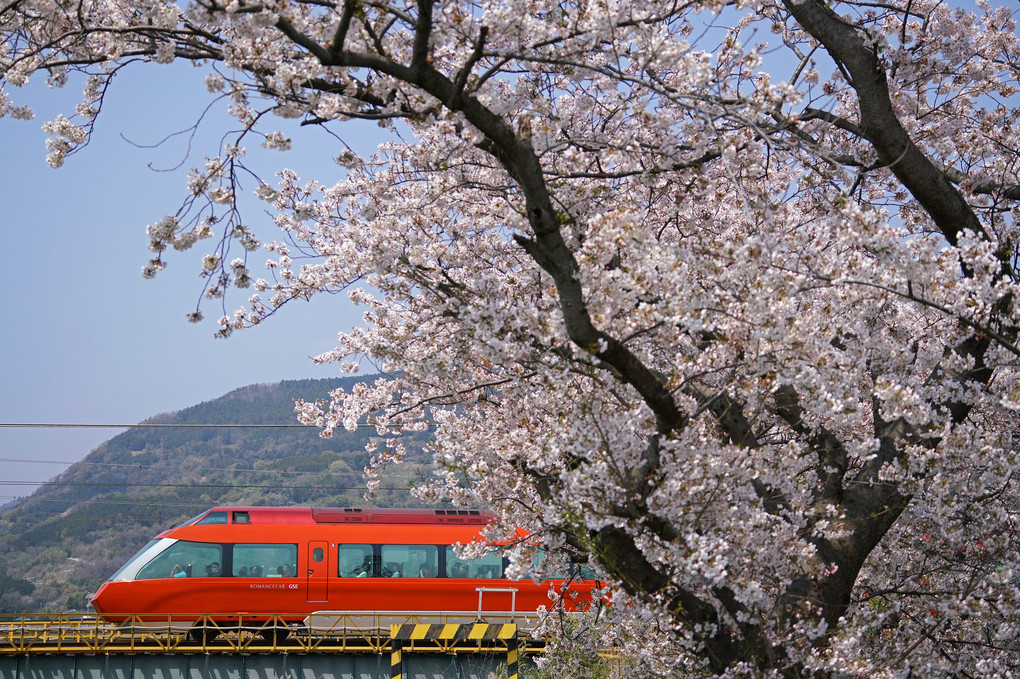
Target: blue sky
<point>85,338</point>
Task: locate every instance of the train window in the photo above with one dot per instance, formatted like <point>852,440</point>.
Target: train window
<point>212,518</point>
<point>241,517</point>
<point>193,520</point>
<point>409,561</point>
<point>184,559</point>
<point>264,560</point>
<point>489,566</point>
<point>562,570</point>
<point>318,554</point>
<point>356,561</point>
<point>565,570</point>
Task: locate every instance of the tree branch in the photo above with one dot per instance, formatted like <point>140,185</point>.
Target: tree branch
<point>879,123</point>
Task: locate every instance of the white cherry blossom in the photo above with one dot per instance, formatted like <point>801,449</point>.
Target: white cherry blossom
<point>718,298</point>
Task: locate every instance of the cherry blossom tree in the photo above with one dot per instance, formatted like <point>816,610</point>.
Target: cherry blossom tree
<point>719,296</point>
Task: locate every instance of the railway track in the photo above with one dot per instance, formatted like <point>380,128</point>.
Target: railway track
<point>328,632</point>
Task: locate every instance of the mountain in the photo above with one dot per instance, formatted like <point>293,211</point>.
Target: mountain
<point>58,545</point>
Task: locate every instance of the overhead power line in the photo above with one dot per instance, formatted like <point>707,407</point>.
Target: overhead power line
<point>153,425</point>
<point>165,425</point>
<point>136,465</point>
<point>118,503</point>
<point>225,486</point>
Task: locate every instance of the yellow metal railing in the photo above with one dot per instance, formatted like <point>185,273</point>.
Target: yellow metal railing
<point>326,632</point>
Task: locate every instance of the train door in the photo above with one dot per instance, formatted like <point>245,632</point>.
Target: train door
<point>317,567</point>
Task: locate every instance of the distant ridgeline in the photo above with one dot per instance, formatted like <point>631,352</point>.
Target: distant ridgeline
<point>61,543</point>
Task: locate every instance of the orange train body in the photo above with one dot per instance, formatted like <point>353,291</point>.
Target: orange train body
<point>290,562</point>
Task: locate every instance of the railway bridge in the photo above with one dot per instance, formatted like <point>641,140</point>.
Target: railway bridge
<point>330,646</point>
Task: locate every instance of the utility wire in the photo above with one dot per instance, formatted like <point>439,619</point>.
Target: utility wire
<point>153,425</point>
<point>131,465</point>
<point>127,503</point>
<point>114,484</point>
<point>165,425</point>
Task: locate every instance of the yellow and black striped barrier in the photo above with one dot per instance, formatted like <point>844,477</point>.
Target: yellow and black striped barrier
<point>452,637</point>
<point>478,631</point>
<point>511,661</point>
<point>396,660</point>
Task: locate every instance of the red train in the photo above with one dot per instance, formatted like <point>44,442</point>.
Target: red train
<point>286,563</point>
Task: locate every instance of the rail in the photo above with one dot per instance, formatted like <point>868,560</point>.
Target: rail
<point>323,632</point>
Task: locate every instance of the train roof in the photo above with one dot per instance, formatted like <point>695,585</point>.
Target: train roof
<point>366,515</point>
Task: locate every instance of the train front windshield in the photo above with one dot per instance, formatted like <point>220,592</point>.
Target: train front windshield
<point>133,560</point>
<point>145,555</point>
<point>183,559</point>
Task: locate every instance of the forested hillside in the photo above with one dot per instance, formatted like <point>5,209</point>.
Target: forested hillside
<point>61,543</point>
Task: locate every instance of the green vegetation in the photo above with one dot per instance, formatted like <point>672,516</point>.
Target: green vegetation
<point>17,586</point>
<point>60,544</point>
